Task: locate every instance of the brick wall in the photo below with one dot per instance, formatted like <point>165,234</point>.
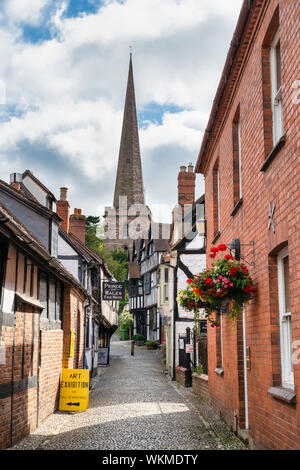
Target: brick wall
<point>200,386</point>
<point>181,375</point>
<point>73,320</point>
<point>31,359</point>
<point>273,424</point>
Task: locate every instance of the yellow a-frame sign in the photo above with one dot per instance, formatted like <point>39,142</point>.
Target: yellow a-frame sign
<point>74,390</point>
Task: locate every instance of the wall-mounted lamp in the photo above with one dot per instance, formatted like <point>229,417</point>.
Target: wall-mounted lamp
<point>235,248</point>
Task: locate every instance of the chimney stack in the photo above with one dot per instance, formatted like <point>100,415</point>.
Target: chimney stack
<point>186,185</point>
<point>16,180</point>
<point>63,209</point>
<point>77,225</point>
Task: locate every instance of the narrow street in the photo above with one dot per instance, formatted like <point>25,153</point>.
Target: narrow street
<point>134,406</point>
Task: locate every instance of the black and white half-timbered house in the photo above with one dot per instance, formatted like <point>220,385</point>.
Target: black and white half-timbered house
<point>144,278</point>
<point>187,258</point>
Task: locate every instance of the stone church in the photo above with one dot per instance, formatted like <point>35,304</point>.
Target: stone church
<point>129,200</point>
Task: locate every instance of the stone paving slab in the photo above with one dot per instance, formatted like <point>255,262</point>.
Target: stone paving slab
<point>134,406</point>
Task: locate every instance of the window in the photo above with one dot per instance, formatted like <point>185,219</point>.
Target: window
<point>216,199</point>
<point>140,287</point>
<point>219,344</point>
<point>276,89</point>
<point>218,196</point>
<point>164,285</point>
<point>237,158</point>
<point>147,283</point>
<point>285,321</point>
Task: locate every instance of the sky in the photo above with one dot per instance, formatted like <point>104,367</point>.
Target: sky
<point>63,74</point>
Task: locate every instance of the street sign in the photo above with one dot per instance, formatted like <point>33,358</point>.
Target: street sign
<point>189,348</point>
<point>113,290</point>
<point>103,356</point>
<point>74,390</point>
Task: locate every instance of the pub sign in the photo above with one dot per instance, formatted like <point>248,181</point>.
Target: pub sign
<point>113,290</point>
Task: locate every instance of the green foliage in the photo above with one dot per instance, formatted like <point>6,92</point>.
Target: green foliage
<point>138,337</point>
<point>122,303</point>
<point>116,260</point>
<point>199,369</point>
<point>225,287</point>
<point>125,320</point>
<point>151,343</point>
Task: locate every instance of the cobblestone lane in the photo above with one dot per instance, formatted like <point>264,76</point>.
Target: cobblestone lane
<point>134,406</point>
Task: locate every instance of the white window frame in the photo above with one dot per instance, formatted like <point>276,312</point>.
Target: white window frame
<point>277,109</point>
<point>218,198</point>
<point>164,286</point>
<point>240,160</point>
<point>221,340</point>
<point>285,323</point>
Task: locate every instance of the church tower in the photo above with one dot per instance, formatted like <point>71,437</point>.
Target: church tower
<point>129,179</point>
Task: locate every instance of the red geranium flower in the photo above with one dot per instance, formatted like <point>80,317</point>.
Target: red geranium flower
<point>222,247</point>
<point>189,281</point>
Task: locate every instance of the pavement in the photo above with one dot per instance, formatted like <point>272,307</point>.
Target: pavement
<point>134,406</point>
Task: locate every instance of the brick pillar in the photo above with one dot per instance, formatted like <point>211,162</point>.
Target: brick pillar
<point>63,209</point>
<point>77,225</point>
<point>186,185</point>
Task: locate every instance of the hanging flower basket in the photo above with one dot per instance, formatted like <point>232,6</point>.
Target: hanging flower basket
<point>222,289</point>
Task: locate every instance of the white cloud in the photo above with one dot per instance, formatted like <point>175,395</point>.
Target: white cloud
<point>182,129</point>
<point>26,11</point>
<point>69,92</point>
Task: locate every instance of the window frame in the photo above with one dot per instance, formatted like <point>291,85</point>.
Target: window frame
<point>276,93</point>
<point>285,328</point>
<point>239,158</point>
<point>218,199</point>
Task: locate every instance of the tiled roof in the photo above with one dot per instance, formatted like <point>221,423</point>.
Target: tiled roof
<point>133,271</point>
<point>25,237</point>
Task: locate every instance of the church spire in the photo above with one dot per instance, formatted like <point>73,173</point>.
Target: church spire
<point>129,181</point>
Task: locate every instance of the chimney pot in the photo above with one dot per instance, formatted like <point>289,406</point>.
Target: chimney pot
<point>63,209</point>
<point>16,178</point>
<point>63,194</point>
<point>77,225</point>
<point>182,169</point>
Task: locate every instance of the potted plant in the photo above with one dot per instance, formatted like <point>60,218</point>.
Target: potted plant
<point>224,288</point>
<point>151,344</point>
<point>139,339</point>
<point>125,323</point>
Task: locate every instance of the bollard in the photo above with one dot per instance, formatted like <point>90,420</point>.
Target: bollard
<point>132,348</point>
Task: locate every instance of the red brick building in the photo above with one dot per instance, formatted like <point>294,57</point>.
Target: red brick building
<point>250,157</point>
<point>41,304</point>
